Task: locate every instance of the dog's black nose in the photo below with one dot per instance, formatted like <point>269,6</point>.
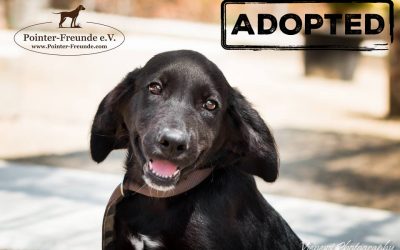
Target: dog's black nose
<point>173,142</point>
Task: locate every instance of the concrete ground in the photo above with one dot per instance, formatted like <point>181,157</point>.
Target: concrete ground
<point>53,208</point>
<point>334,143</point>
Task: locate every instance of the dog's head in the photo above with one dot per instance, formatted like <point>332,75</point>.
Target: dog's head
<point>176,114</point>
<point>80,7</point>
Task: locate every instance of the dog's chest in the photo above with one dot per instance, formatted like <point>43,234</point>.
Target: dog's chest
<point>141,241</point>
<point>152,225</point>
<point>180,234</point>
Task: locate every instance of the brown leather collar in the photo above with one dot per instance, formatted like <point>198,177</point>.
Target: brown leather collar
<point>108,231</point>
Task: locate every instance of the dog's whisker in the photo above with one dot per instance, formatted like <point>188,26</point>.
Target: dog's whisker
<point>131,157</point>
<point>170,191</point>
<point>141,187</point>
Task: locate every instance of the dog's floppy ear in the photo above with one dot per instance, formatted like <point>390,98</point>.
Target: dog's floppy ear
<point>108,130</point>
<point>251,139</point>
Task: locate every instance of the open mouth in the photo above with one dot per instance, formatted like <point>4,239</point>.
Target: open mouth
<point>161,175</point>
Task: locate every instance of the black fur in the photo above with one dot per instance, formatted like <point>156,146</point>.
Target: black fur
<point>226,211</point>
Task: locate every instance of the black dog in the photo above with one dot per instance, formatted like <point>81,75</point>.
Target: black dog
<point>73,14</point>
<point>176,114</point>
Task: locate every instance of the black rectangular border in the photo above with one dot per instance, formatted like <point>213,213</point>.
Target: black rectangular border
<point>314,47</point>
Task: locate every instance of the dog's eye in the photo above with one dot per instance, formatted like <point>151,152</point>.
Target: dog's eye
<point>155,88</point>
<point>210,105</point>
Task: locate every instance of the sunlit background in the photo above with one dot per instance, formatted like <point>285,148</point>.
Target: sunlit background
<point>335,116</point>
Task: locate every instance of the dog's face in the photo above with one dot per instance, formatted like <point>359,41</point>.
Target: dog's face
<point>174,116</point>
<point>178,114</point>
<point>81,7</point>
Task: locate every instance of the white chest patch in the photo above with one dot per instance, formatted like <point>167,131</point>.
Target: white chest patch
<point>140,241</point>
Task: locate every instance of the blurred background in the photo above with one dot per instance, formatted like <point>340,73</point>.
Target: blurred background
<point>335,117</point>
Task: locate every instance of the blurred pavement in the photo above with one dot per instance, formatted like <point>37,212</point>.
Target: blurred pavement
<point>58,209</point>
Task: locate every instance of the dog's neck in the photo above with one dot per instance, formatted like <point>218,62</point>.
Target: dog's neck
<point>188,182</point>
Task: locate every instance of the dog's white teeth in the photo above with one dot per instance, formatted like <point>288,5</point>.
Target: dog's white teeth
<point>164,176</point>
<point>154,172</point>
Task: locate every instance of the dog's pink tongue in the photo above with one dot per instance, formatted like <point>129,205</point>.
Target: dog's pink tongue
<point>164,168</point>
